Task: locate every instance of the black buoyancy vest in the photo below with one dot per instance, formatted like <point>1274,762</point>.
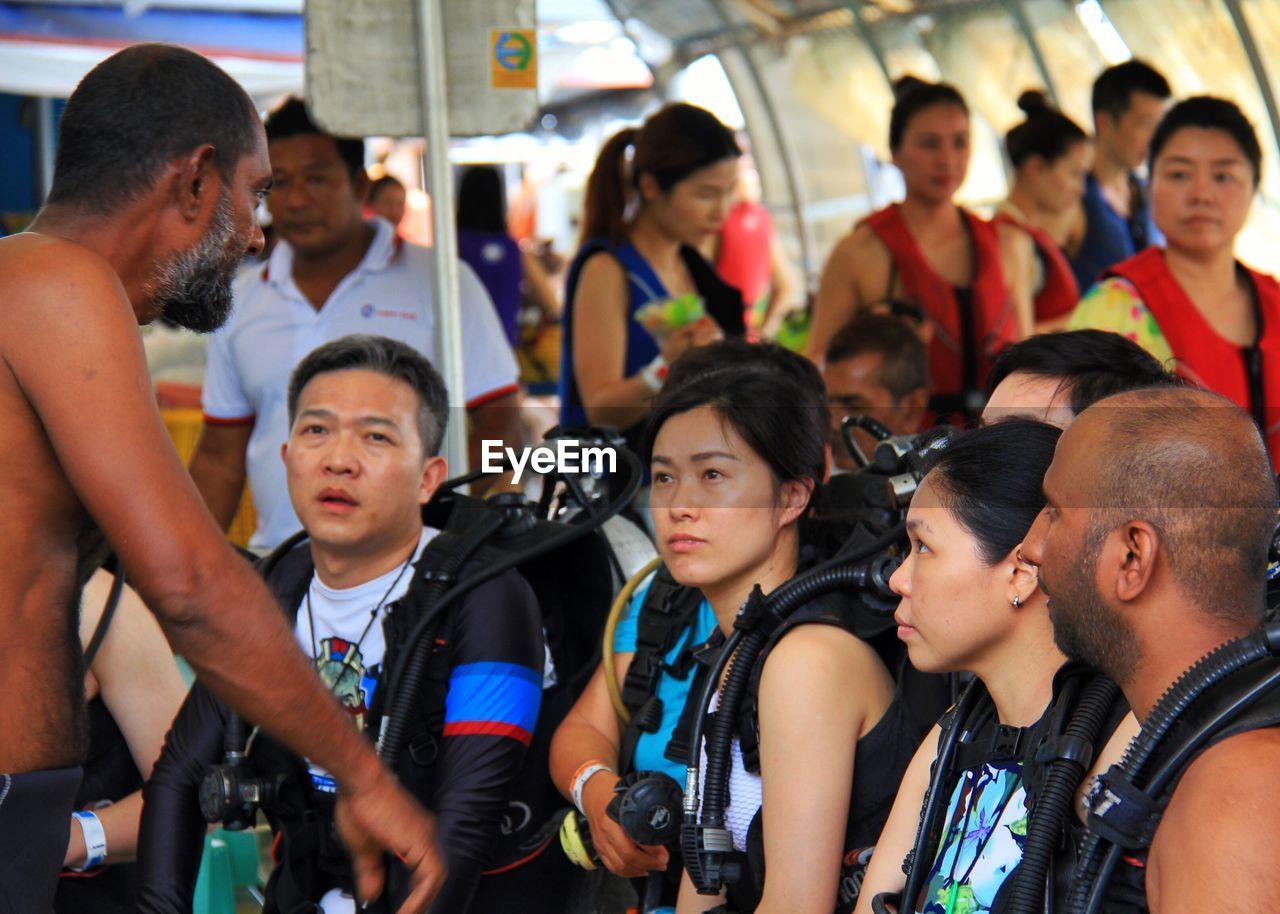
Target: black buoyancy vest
<point>1127,891</point>
<point>881,757</point>
<point>664,618</point>
<point>1033,748</point>
<point>308,854</point>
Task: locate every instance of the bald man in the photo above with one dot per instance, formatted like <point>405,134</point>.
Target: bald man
<point>1152,548</point>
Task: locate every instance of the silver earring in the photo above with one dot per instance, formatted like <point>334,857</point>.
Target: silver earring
<point>1017,601</point>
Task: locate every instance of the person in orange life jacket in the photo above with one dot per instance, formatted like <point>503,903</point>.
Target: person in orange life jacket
<point>928,251</point>
<point>736,455</point>
<point>1192,304</point>
<point>643,220</point>
<point>367,416</point>
<point>1050,155</point>
<point>875,366</point>
<point>1145,579</point>
<point>971,602</point>
<point>1128,100</point>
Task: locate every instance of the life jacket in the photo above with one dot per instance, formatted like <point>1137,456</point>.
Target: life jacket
<point>970,326</point>
<point>1249,376</point>
<point>1058,294</point>
<point>985,741</point>
<point>1132,816</point>
<point>1110,238</point>
<point>308,857</point>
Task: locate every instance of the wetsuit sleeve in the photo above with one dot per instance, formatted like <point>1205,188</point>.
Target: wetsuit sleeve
<point>171,838</point>
<point>495,690</point>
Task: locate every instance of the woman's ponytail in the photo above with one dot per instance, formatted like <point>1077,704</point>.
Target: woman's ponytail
<point>605,206</point>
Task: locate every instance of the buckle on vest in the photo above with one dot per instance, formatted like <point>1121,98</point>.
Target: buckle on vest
<point>1123,814</point>
<point>1065,748</point>
<point>1006,742</point>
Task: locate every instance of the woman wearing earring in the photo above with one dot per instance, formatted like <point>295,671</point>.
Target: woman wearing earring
<point>970,602</point>
<point>927,250</point>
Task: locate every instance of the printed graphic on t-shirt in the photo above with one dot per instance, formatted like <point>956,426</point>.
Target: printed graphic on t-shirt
<point>342,670</point>
<point>986,829</point>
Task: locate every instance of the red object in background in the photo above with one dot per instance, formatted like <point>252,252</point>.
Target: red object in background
<point>742,259</point>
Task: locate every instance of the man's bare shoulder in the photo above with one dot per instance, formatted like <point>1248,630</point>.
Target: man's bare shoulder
<point>44,271</point>
<point>1227,802</point>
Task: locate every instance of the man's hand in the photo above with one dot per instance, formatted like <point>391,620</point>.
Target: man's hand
<point>620,855</point>
<point>383,817</point>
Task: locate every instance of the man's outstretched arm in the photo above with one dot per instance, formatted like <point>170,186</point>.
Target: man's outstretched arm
<point>71,340</point>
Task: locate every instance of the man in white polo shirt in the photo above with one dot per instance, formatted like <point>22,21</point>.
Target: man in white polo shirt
<point>331,274</point>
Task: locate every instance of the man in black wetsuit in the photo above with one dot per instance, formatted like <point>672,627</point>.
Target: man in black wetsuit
<point>366,418</point>
<point>1152,548</point>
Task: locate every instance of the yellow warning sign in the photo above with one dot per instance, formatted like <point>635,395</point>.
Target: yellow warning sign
<point>513,58</point>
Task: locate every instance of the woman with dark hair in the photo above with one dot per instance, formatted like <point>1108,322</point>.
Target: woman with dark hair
<point>970,602</point>
<point>1042,215</point>
<point>736,446</point>
<point>928,250</point>
<point>656,194</point>
<point>509,274</point>
<point>1192,304</point>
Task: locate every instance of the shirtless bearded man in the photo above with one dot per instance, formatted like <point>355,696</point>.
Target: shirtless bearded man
<point>161,162</point>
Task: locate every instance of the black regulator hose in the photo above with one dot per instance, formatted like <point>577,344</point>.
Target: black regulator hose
<point>936,798</point>
<point>396,684</point>
<point>740,653</point>
<point>1098,857</point>
<point>395,722</point>
<point>1063,775</point>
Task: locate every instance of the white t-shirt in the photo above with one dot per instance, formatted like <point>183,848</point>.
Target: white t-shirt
<point>347,641</point>
<point>273,325</point>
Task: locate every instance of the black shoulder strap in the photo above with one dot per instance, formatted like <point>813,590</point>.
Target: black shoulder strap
<point>666,614</point>
<point>109,610</point>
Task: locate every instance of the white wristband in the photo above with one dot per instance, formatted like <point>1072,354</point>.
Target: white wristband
<point>580,783</point>
<point>95,839</point>
<point>654,373</point>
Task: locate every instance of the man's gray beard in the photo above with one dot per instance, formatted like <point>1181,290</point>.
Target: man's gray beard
<point>193,289</point>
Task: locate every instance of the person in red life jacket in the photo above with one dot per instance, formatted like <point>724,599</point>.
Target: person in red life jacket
<point>748,257</point>
<point>928,250</point>
<point>1050,155</point>
<point>1192,304</point>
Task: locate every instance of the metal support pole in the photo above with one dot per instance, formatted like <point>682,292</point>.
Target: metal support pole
<point>869,38</point>
<point>1024,25</point>
<point>44,136</point>
<point>1256,63</point>
<point>435,128</point>
<point>780,137</point>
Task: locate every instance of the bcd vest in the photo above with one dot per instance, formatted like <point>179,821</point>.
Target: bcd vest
<point>1247,375</point>
<point>307,854</point>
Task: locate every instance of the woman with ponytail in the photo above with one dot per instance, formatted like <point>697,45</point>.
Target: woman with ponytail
<point>656,193</point>
<point>1042,216</point>
<point>926,250</point>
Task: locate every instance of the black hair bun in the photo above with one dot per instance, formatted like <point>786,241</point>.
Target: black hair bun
<point>1033,102</point>
<point>905,85</point>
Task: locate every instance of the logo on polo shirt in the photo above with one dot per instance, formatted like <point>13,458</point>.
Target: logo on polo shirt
<point>371,311</point>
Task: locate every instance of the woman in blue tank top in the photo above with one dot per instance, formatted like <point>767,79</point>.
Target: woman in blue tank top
<point>656,193</point>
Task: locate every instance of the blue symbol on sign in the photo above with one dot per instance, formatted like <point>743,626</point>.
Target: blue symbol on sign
<point>367,311</point>
<point>512,51</point>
